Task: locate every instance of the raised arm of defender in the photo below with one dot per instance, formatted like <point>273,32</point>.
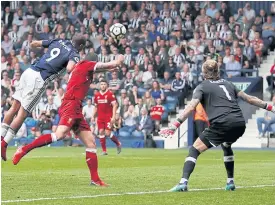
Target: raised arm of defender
<point>256,101</point>
<point>102,67</point>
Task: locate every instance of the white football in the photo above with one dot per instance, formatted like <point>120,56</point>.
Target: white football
<point>117,31</point>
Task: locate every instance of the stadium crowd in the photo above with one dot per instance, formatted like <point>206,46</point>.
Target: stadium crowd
<point>165,47</point>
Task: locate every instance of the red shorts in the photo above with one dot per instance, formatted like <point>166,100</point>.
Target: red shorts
<point>70,113</point>
<point>104,125</point>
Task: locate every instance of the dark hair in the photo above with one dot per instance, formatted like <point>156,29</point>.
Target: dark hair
<point>79,41</point>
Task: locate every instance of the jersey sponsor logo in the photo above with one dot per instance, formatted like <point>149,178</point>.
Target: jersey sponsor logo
<point>102,101</point>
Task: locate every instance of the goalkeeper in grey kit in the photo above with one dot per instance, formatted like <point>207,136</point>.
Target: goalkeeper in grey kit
<point>227,124</point>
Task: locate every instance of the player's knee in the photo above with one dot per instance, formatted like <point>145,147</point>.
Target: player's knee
<point>91,143</point>
<point>227,150</point>
<point>101,132</point>
<point>107,133</point>
<point>200,145</point>
<point>193,154</point>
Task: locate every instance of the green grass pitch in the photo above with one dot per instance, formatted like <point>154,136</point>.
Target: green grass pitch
<point>59,176</point>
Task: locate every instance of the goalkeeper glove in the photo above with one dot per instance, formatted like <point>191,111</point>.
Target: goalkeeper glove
<point>171,129</point>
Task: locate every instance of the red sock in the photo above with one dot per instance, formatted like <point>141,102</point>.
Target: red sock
<point>3,143</point>
<point>115,140</point>
<point>91,160</point>
<point>103,144</point>
<point>41,141</point>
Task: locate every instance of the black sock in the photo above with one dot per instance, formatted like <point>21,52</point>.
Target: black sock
<point>228,161</point>
<point>190,163</point>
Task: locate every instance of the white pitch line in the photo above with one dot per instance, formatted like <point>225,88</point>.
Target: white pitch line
<point>125,193</point>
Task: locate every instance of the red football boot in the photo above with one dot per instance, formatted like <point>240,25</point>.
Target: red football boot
<point>4,146</point>
<point>18,155</point>
<point>99,183</point>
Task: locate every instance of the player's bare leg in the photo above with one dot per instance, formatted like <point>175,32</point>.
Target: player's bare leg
<point>41,141</point>
<point>91,158</point>
<point>15,124</point>
<point>229,165</point>
<point>102,140</point>
<point>108,133</point>
<point>9,117</point>
<point>189,165</point>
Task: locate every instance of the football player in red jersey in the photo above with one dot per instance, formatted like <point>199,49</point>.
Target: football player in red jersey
<point>106,108</point>
<point>71,116</point>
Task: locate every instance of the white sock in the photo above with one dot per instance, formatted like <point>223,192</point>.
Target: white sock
<point>183,180</point>
<point>4,129</point>
<point>230,179</point>
<point>9,136</point>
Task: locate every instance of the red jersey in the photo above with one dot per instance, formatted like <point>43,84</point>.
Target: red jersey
<point>80,80</point>
<point>104,102</point>
<point>156,112</point>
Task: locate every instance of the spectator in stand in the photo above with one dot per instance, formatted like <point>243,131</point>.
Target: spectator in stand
<point>124,107</point>
<point>269,78</point>
<point>165,84</point>
<point>44,124</point>
<point>5,80</point>
<point>249,13</point>
<point>242,59</point>
<point>269,28</point>
<point>156,114</point>
<point>145,125</point>
<point>148,100</point>
<point>7,44</point>
<point>148,77</point>
<point>130,121</point>
<point>171,67</point>
<point>122,97</point>
<point>258,45</point>
<point>267,120</point>
<point>156,91</point>
<point>115,83</point>
<point>248,50</point>
<point>187,76</point>
<point>50,105</point>
<point>139,105</point>
<point>233,68</point>
<point>178,88</point>
<point>32,134</point>
<point>7,17</point>
<point>87,110</point>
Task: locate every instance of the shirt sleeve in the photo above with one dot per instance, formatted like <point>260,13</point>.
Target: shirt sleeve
<point>112,98</point>
<point>198,93</point>
<point>95,100</point>
<point>74,56</point>
<point>236,89</point>
<point>46,43</point>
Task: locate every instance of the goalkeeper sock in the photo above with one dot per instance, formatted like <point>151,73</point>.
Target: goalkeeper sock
<point>190,163</point>
<point>228,161</point>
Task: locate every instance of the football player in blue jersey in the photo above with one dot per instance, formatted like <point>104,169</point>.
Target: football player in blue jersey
<point>61,55</point>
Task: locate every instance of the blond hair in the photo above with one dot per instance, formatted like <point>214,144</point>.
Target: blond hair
<point>210,70</point>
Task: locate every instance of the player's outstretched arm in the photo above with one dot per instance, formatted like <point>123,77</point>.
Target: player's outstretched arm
<point>190,107</point>
<point>35,44</point>
<point>256,101</point>
<point>102,67</point>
